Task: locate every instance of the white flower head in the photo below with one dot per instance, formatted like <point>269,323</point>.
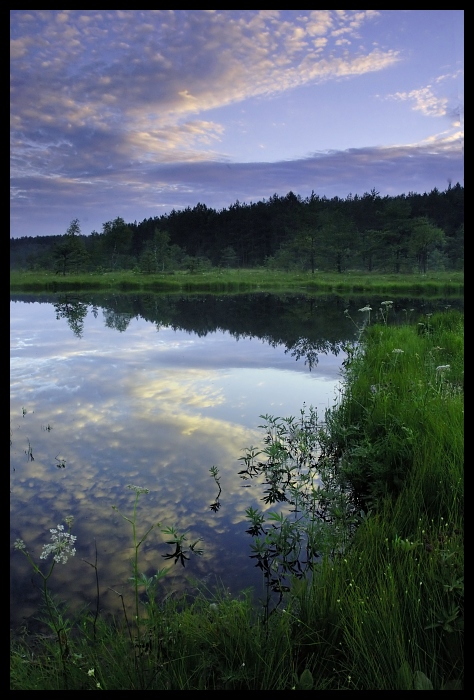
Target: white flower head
<point>386,303</point>
<point>138,489</point>
<point>366,308</point>
<point>397,351</point>
<point>62,546</point>
<point>443,368</point>
<point>19,544</point>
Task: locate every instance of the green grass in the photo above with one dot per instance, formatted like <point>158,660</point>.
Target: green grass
<point>408,389</point>
<point>385,614</point>
<point>400,434</point>
<point>439,283</point>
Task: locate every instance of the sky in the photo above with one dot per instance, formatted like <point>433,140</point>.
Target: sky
<point>134,113</point>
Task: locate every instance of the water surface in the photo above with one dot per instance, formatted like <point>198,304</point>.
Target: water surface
<point>154,391</point>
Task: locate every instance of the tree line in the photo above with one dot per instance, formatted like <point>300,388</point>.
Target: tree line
<point>399,234</point>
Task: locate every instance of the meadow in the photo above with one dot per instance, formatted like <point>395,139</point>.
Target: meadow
<point>240,280</point>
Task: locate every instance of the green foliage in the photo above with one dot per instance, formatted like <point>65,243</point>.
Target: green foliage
<point>367,232</point>
<point>398,393</point>
<point>116,241</point>
<point>91,629</point>
<point>305,681</point>
<point>159,255</point>
<point>69,254</point>
<point>319,516</point>
<point>229,257</point>
<point>424,238</point>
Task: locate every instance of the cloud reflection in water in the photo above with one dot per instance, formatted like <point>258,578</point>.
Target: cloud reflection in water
<point>156,409</point>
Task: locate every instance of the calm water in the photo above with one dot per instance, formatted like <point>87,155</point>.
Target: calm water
<point>154,391</point>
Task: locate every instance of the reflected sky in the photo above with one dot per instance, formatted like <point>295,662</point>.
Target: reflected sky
<point>149,406</point>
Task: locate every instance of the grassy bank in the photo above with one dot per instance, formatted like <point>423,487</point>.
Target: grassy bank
<point>439,283</point>
<point>382,612</point>
<point>396,599</point>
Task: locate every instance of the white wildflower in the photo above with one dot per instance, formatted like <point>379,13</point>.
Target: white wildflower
<point>386,303</point>
<point>366,308</point>
<point>443,368</point>
<point>19,544</point>
<point>90,672</point>
<point>138,489</point>
<point>397,351</point>
<point>62,546</point>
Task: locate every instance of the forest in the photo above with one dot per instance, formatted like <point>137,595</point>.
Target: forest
<point>398,234</point>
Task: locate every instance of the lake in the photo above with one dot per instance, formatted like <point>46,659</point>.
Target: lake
<point>154,390</point>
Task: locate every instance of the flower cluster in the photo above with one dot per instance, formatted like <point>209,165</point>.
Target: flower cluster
<point>62,546</point>
<point>138,489</point>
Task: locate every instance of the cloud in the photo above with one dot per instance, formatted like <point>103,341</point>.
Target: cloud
<point>390,170</point>
<point>110,111</point>
<point>95,95</point>
<point>159,188</point>
<point>450,76</point>
<point>19,47</point>
<point>176,142</point>
<point>425,101</point>
<point>112,72</point>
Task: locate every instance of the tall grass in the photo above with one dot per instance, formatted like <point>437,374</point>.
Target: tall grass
<point>403,404</point>
<point>385,613</point>
<point>397,594</point>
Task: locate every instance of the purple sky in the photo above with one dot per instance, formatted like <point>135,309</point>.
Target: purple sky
<point>133,113</point>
